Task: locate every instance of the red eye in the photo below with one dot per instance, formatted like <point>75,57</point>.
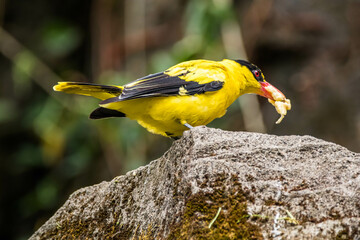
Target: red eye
<point>257,73</point>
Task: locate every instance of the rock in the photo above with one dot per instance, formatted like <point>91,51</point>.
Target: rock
<point>259,186</point>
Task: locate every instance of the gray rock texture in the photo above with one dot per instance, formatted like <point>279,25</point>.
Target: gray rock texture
<point>248,185</point>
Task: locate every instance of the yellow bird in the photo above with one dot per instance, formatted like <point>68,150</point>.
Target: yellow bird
<point>188,94</point>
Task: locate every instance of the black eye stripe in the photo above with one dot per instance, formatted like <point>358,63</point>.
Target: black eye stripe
<point>253,68</point>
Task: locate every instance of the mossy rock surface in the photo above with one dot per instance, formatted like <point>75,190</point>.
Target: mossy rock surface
<point>214,184</point>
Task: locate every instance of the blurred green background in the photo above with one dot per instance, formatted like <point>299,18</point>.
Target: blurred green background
<point>310,50</point>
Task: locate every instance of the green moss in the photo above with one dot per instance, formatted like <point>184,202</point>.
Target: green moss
<point>232,221</point>
<point>201,208</point>
<point>80,229</point>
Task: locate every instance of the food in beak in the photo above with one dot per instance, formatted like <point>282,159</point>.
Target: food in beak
<point>277,99</point>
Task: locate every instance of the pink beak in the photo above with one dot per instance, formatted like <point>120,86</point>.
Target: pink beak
<point>263,92</point>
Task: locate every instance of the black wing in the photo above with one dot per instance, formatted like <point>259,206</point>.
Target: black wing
<point>161,84</point>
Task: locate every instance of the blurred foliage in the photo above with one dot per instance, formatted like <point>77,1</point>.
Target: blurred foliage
<point>59,38</point>
<point>49,147</point>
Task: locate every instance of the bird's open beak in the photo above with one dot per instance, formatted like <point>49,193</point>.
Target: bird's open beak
<point>274,94</point>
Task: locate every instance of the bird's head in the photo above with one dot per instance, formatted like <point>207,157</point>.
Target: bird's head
<point>256,83</point>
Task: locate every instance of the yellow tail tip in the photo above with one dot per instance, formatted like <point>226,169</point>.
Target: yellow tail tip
<point>89,89</point>
<point>59,86</point>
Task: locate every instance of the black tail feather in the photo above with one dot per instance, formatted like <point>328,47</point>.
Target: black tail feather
<point>101,112</point>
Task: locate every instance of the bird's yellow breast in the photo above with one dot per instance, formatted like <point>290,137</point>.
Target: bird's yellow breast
<point>166,115</point>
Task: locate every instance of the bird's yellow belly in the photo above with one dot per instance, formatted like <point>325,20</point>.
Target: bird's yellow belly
<point>166,115</point>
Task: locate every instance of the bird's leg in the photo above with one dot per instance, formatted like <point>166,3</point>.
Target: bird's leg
<point>188,125</point>
<point>183,122</point>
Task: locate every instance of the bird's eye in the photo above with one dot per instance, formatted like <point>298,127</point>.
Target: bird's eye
<point>256,73</point>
